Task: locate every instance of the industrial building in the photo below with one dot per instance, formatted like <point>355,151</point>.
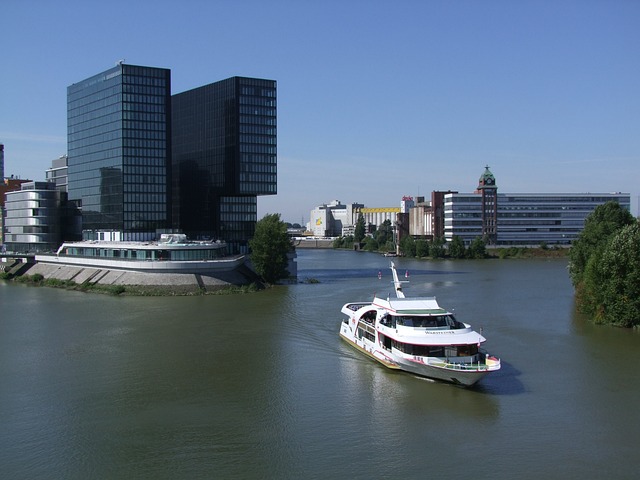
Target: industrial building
<point>334,219</point>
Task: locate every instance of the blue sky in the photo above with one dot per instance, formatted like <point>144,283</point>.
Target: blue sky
<point>376,99</point>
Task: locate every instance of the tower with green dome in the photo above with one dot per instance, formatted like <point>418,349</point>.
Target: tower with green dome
<point>489,190</point>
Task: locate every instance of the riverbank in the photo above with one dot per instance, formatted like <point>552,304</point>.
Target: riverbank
<point>528,252</point>
<point>505,253</point>
<point>121,282</point>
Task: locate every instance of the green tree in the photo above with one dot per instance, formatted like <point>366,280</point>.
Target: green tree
<point>599,226</point>
<point>477,249</point>
<point>408,246</point>
<point>343,242</point>
<point>269,248</point>
<point>436,248</point>
<point>360,230</point>
<point>388,247</point>
<point>384,234</point>
<point>422,248</point>
<point>370,244</point>
<point>456,247</point>
<point>611,287</point>
<point>588,292</point>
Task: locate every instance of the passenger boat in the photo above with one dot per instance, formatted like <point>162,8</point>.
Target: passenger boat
<point>418,336</point>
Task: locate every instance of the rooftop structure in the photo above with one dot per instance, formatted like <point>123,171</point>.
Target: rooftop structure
<point>58,173</point>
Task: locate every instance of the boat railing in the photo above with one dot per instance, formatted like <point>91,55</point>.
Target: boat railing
<point>451,364</point>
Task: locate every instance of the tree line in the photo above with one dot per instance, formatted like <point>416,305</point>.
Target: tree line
<point>382,240</point>
<point>604,266</point>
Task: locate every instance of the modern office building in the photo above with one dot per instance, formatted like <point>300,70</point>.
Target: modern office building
<point>58,173</point>
<point>70,214</point>
<point>224,156</point>
<point>8,185</point>
<point>529,219</point>
<point>119,150</point>
<point>1,162</point>
<point>32,222</point>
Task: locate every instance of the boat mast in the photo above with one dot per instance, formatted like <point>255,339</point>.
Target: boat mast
<point>396,282</point>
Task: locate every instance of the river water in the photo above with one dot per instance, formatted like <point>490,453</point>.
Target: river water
<point>260,385</point>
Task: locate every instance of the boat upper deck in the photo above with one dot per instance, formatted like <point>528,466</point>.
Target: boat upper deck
<point>411,306</point>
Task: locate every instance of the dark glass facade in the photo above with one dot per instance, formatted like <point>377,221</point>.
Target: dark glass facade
<point>224,155</point>
<point>119,147</point>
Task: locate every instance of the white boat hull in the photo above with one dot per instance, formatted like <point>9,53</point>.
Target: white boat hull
<point>433,368</point>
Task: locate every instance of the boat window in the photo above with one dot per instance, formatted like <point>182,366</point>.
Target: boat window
<point>409,321</point>
<point>388,321</point>
<point>367,332</point>
<point>467,350</point>
<point>419,350</point>
<point>431,321</point>
<point>369,316</point>
<point>448,351</point>
<point>448,321</point>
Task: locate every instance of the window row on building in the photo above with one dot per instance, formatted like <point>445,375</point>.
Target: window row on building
<point>254,148</point>
<point>256,110</point>
<point>257,129</point>
<point>525,219</point>
<point>252,120</point>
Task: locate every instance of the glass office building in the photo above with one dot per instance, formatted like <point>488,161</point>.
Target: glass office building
<point>224,156</point>
<point>119,146</point>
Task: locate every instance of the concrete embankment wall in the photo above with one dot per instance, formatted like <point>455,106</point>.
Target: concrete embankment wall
<point>175,282</point>
<point>314,243</point>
